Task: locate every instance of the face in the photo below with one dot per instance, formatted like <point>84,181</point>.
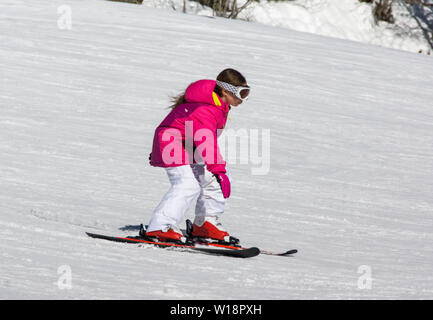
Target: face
<point>230,98</point>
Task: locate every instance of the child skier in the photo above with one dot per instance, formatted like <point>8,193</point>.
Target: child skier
<point>185,144</point>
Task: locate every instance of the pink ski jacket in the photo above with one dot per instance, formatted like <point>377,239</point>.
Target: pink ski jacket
<point>189,132</point>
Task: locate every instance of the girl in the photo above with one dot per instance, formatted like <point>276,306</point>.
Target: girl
<point>185,144</point>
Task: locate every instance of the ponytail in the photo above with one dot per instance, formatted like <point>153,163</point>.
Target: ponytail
<point>177,100</point>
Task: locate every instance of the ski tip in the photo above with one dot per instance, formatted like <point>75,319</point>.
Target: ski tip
<point>254,250</point>
<point>282,254</point>
<point>289,252</point>
<point>249,252</point>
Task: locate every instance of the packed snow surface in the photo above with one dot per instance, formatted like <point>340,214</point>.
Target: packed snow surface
<point>350,181</point>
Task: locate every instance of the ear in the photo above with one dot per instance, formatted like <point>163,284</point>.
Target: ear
<point>224,95</point>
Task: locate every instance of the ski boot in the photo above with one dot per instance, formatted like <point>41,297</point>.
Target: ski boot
<point>209,229</point>
<point>169,234</point>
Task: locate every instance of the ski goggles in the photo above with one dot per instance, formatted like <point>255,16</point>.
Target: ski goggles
<point>240,92</point>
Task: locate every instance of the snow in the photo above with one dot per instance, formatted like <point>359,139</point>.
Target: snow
<point>344,19</point>
<point>351,172</point>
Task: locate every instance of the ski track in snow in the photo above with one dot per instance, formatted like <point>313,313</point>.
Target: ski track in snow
<point>351,172</point>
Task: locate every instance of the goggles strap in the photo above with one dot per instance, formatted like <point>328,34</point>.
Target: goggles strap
<point>231,88</point>
<point>227,86</point>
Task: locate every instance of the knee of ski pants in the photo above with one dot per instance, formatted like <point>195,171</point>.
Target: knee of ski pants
<point>182,180</point>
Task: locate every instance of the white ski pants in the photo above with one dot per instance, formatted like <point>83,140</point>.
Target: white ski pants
<point>189,183</point>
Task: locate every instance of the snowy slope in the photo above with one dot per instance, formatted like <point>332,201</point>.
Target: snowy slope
<point>351,172</point>
<point>348,19</point>
<point>344,19</point>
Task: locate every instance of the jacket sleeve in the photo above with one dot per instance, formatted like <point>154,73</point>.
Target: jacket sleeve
<point>205,126</point>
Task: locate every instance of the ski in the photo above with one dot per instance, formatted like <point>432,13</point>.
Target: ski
<point>223,250</point>
<point>281,254</point>
<point>232,242</point>
<point>211,248</point>
<point>236,246</point>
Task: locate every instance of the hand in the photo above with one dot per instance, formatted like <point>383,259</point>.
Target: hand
<point>224,182</point>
